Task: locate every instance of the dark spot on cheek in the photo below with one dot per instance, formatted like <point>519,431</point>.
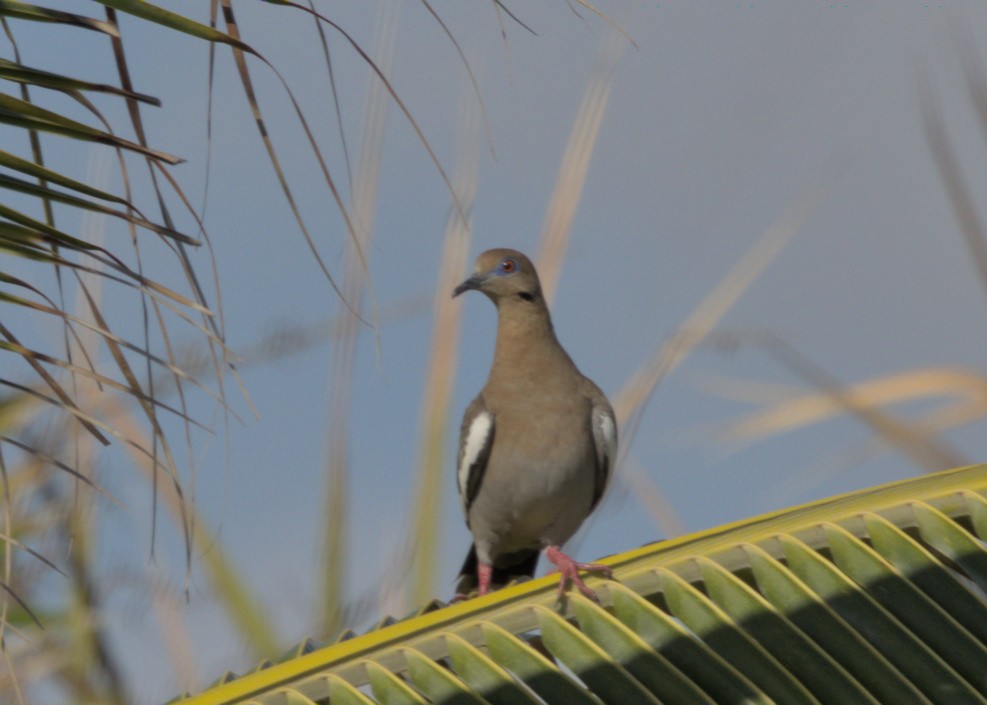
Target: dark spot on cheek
<point>527,296</point>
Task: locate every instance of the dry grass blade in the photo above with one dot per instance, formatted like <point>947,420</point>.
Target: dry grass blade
<point>78,523</point>
<point>632,398</point>
<point>469,72</point>
<point>70,319</point>
<point>967,388</point>
<point>501,7</point>
<point>212,330</point>
<point>248,87</point>
<point>18,410</point>
<point>133,110</point>
<point>177,641</point>
<point>37,170</point>
<point>575,163</point>
<point>216,337</point>
<point>157,291</point>
<point>15,71</point>
<point>12,679</point>
<point>928,452</point>
<point>960,196</point>
<point>21,113</point>
<point>498,11</point>
<point>33,138</point>
<point>232,591</point>
<point>38,241</point>
<point>440,377</point>
<point>335,95</point>
<point>397,99</point>
<point>34,359</point>
<point>81,524</point>
<point>34,394</point>
<point>51,460</point>
<point>592,8</point>
<point>10,541</point>
<point>32,231</point>
<point>828,467</point>
<point>8,556</point>
<point>866,401</point>
<point>134,388</point>
<point>136,392</point>
<point>17,598</point>
<point>26,187</point>
<point>288,338</point>
<point>172,20</point>
<point>52,308</point>
<point>25,11</point>
<point>355,281</point>
<point>630,401</point>
<point>650,496</point>
<point>219,354</point>
<point>973,70</point>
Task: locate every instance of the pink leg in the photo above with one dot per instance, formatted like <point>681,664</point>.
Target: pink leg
<point>484,574</point>
<point>569,570</point>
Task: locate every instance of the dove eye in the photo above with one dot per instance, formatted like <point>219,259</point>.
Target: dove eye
<point>508,266</point>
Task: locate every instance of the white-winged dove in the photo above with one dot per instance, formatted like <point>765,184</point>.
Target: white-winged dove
<point>536,445</point>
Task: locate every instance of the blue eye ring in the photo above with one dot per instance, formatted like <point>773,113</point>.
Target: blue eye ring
<point>507,266</point>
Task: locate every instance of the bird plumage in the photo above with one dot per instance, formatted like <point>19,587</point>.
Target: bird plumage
<point>537,444</point>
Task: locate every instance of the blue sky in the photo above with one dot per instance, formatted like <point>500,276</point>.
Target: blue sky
<point>720,118</point>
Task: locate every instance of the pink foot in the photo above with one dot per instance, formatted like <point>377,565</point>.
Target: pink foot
<point>569,570</point>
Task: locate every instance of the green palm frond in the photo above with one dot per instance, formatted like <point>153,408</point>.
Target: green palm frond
<point>872,597</point>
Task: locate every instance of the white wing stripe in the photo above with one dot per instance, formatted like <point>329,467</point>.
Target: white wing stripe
<point>608,433</point>
<point>476,439</point>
